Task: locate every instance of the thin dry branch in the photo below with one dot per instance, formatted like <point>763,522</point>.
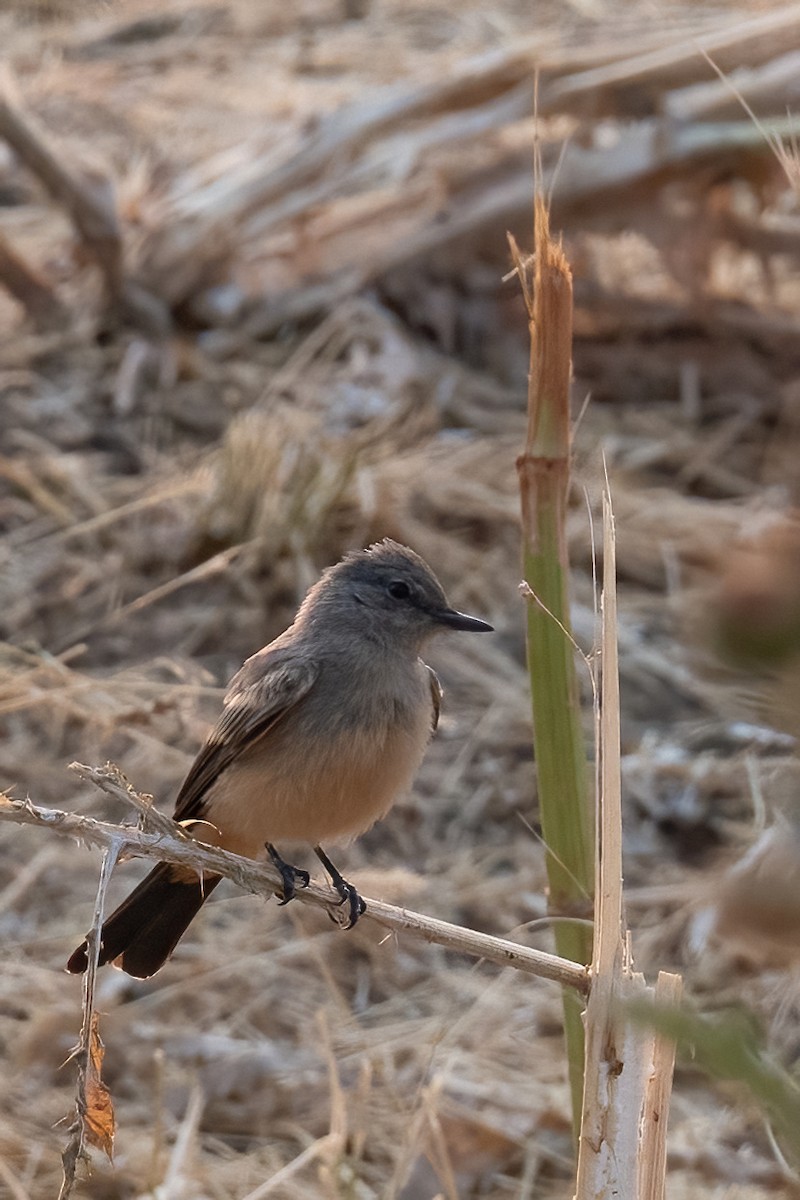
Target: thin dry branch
<point>94,1113</point>
<point>339,136</point>
<point>470,98</point>
<point>604,184</point>
<point>166,842</point>
<point>90,205</point>
<point>763,36</point>
<point>768,88</point>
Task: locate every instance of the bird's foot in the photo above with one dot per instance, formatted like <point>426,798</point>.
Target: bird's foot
<point>291,876</point>
<point>348,894</point>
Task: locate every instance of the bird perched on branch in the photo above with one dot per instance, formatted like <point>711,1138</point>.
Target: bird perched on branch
<point>319,733</point>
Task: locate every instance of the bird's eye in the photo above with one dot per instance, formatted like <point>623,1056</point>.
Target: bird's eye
<point>398,589</point>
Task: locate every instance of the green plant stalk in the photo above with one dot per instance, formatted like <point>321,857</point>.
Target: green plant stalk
<point>561,776</point>
<point>559,745</point>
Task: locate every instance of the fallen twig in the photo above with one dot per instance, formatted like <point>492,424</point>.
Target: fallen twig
<point>89,202</point>
<point>681,61</point>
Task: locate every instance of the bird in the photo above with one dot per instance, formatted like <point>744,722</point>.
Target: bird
<point>320,731</point>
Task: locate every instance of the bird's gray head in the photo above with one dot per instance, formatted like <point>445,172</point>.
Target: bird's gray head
<point>386,593</point>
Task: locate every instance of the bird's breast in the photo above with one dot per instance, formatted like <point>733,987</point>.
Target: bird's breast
<point>330,768</point>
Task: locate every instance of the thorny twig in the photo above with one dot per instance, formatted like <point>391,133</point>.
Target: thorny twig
<point>94,1117</point>
<point>166,842</point>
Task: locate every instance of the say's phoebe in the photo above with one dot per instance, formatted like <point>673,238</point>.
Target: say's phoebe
<point>319,732</point>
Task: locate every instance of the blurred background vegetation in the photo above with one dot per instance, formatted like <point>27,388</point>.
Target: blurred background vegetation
<point>255,311</point>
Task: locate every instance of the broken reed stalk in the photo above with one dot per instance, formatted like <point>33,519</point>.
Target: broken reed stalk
<point>559,746</point>
<point>628,1074</point>
<point>604,1138</point>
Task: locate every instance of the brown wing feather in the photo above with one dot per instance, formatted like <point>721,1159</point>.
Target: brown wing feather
<point>268,686</point>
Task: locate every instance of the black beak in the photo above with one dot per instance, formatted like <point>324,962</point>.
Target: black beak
<point>459,620</point>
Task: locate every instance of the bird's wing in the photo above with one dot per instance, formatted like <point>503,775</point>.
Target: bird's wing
<point>436,698</point>
<point>267,687</point>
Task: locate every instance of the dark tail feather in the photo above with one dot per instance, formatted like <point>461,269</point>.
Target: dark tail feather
<point>147,927</point>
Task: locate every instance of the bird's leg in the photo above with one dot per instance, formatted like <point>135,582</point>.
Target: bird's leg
<point>348,893</point>
<point>290,875</point>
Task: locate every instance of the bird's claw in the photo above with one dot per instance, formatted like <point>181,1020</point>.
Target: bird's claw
<point>290,876</point>
<point>290,885</point>
<point>349,896</point>
<point>347,893</point>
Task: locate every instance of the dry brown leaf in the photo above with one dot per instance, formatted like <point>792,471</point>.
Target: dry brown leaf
<point>98,1115</point>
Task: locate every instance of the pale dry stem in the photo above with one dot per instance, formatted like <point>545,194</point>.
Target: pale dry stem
<point>85,1053</point>
<point>628,1077</point>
